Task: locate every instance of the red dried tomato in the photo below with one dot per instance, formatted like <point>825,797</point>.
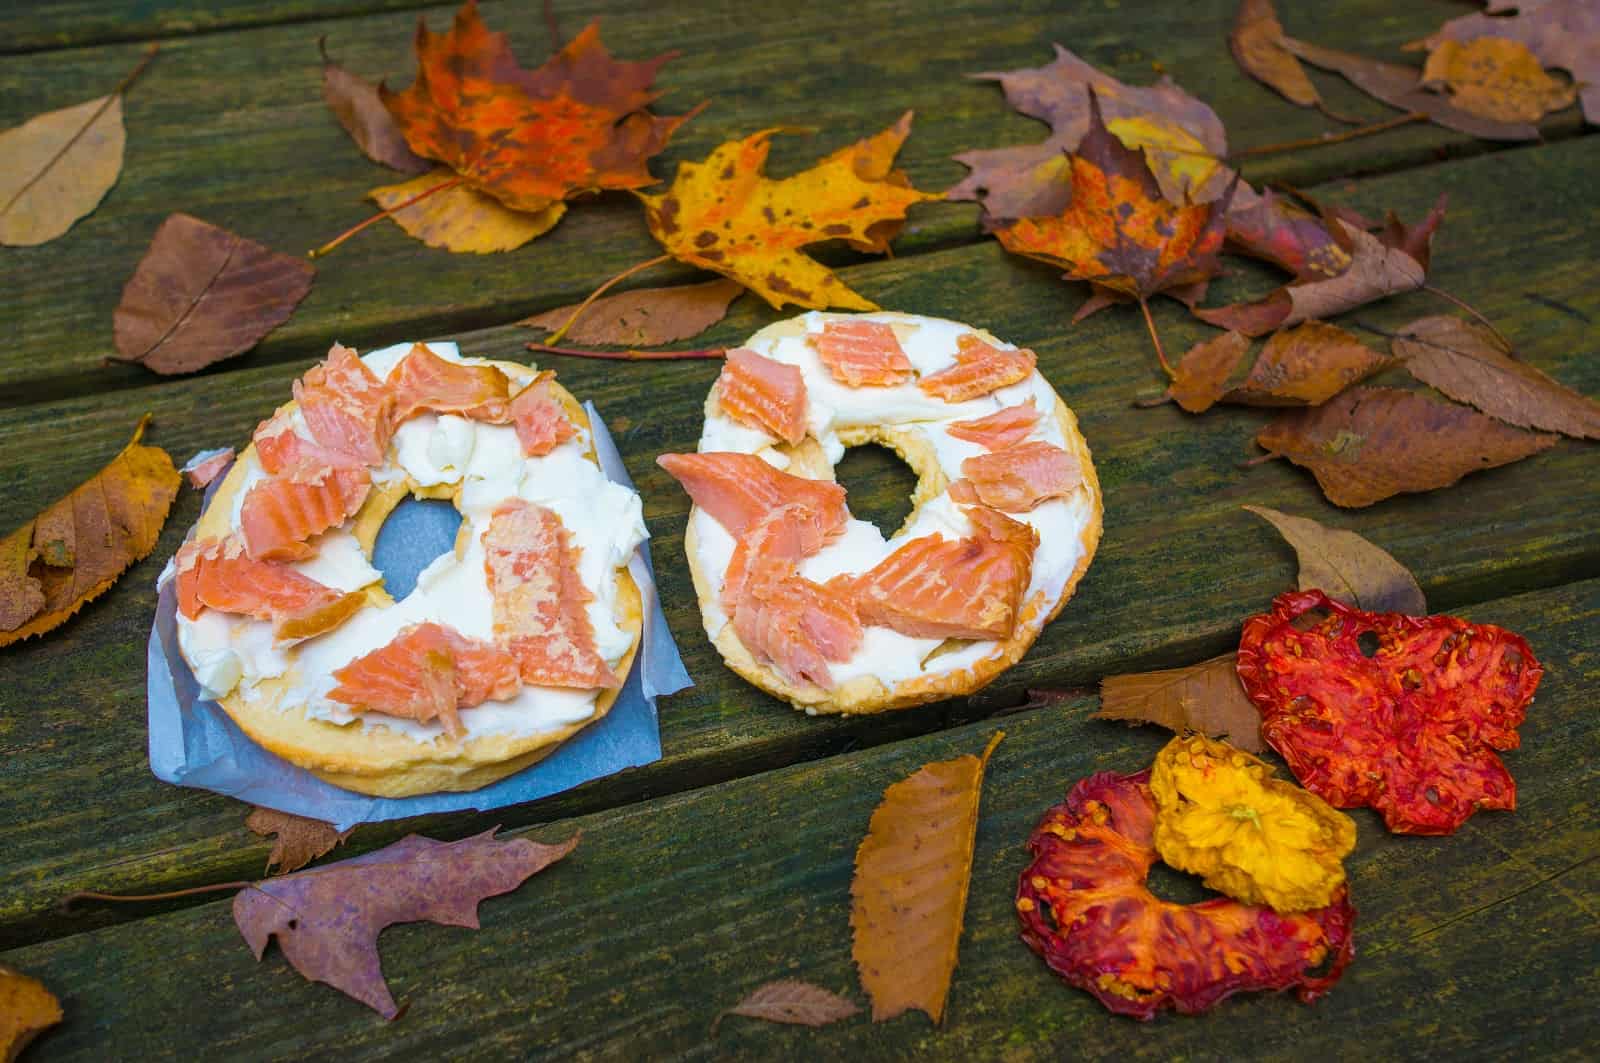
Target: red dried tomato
<point>1410,727</point>
<point>1086,911</point>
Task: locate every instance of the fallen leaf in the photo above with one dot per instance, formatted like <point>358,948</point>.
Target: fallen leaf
<point>59,166</point>
<point>1306,366</point>
<point>1201,377</point>
<point>1496,78</point>
<point>1182,138</point>
<point>206,466</point>
<point>1467,362</point>
<point>1257,43</point>
<point>909,893</point>
<point>1119,233</point>
<point>644,317</point>
<point>1401,87</point>
<point>1561,33</point>
<point>201,294</point>
<point>27,1009</point>
<point>1271,228</point>
<point>327,920</point>
<point>792,1001</point>
<point>1369,444</point>
<point>298,840</point>
<point>530,138</point>
<point>727,216</point>
<point>1204,697</point>
<point>76,548</point>
<point>460,218</point>
<point>354,102</point>
<point>1346,567</point>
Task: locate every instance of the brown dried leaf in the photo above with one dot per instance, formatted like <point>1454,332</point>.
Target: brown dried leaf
<point>27,1009</point>
<point>201,294</point>
<point>910,888</point>
<point>299,840</point>
<point>1205,697</point>
<point>1346,567</point>
<point>1199,380</point>
<point>1369,444</point>
<point>1561,33</point>
<point>1257,43</point>
<point>644,317</point>
<point>76,548</point>
<point>461,218</point>
<point>1467,362</point>
<point>789,1000</point>
<point>1269,227</point>
<point>354,102</point>
<point>1306,366</point>
<point>1497,79</point>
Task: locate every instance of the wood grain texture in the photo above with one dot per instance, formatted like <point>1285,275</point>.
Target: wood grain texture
<point>231,127</point>
<point>1481,942</point>
<point>1180,567</point>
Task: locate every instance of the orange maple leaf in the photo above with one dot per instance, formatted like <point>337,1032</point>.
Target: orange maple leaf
<point>1120,233</point>
<point>531,138</point>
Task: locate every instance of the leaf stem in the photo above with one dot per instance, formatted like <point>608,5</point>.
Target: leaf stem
<point>348,233</point>
<point>555,337</point>
<point>1463,304</point>
<point>120,898</point>
<point>1330,138</point>
<point>1155,337</point>
<point>631,356</point>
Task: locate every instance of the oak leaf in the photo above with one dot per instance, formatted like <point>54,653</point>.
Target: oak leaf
<point>530,138</point>
<point>460,218</point>
<point>76,548</point>
<point>1346,567</point>
<point>1204,697</point>
<point>1182,138</point>
<point>1561,33</point>
<point>727,216</point>
<point>909,892</point>
<point>644,317</point>
<point>1468,363</point>
<point>298,840</point>
<point>201,294</point>
<point>789,1000</point>
<point>1496,78</point>
<point>1257,44</point>
<point>27,1009</point>
<point>1369,444</point>
<point>354,102</point>
<point>327,919</point>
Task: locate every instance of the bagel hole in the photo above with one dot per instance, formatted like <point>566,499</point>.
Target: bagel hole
<point>417,532</point>
<point>880,485</point>
<point>1177,887</point>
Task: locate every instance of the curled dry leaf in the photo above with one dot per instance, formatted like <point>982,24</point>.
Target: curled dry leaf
<point>1496,78</point>
<point>792,1001</point>
<point>1369,444</point>
<point>1468,363</point>
<point>909,893</point>
<point>1346,567</point>
<point>27,1009</point>
<point>201,294</point>
<point>327,920</point>
<point>298,840</point>
<point>1257,43</point>
<point>460,218</point>
<point>1200,378</point>
<point>644,317</point>
<point>74,551</point>
<point>1560,33</point>
<point>727,216</point>
<point>354,102</point>
<point>1267,226</point>
<point>1204,697</point>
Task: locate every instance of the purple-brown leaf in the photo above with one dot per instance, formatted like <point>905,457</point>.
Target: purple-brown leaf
<point>792,1001</point>
<point>327,920</point>
<point>201,294</point>
<point>354,102</point>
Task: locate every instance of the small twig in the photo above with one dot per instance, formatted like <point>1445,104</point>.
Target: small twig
<point>1153,401</point>
<point>121,898</point>
<point>382,214</point>
<point>1150,322</point>
<point>1329,138</point>
<point>551,25</point>
<point>630,356</point>
<point>555,337</point>
<point>1485,322</point>
<point>1557,304</point>
<point>1260,459</point>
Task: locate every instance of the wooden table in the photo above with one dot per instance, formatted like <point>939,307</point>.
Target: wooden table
<point>728,863</point>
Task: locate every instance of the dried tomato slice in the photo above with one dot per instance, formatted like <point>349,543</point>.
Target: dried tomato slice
<point>1086,911</point>
<point>1411,728</point>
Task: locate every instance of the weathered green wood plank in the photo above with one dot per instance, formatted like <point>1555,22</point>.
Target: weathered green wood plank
<point>1479,945</point>
<point>1179,568</point>
<point>45,24</point>
<point>231,127</point>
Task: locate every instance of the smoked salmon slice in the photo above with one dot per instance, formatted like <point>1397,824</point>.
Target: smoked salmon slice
<point>539,600</point>
<point>428,672</point>
<point>780,540</point>
<point>979,369</point>
<point>217,573</point>
<point>1018,478</point>
<point>281,513</point>
<point>863,354</point>
<point>425,381</point>
<point>346,407</point>
<point>280,449</point>
<point>763,393</point>
<point>740,489</point>
<point>797,626</point>
<point>969,588</point>
<point>540,420</point>
<point>1001,429</point>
